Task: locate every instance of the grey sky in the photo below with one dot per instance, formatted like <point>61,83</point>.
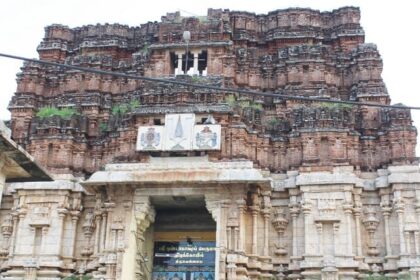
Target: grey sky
<point>392,25</point>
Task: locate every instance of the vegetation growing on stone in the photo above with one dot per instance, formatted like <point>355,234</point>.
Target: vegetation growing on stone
<point>124,108</point>
<point>50,111</point>
<point>244,103</point>
<point>331,105</point>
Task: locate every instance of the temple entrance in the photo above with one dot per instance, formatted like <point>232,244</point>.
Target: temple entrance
<point>184,239</point>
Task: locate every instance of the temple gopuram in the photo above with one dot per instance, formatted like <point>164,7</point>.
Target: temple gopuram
<point>179,179</point>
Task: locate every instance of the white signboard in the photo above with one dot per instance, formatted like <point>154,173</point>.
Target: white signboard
<point>180,133</point>
<point>206,137</point>
<point>150,138</point>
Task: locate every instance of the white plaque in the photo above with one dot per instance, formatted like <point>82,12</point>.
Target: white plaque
<point>178,132</point>
<point>150,138</point>
<point>206,137</point>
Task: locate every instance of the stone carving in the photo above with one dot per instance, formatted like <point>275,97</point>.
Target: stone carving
<point>88,229</point>
<point>327,209</point>
<point>280,224</point>
<point>6,231</point>
<point>40,216</point>
<point>371,224</point>
<point>233,219</point>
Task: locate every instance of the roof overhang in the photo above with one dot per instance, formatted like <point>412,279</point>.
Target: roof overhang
<point>19,166</point>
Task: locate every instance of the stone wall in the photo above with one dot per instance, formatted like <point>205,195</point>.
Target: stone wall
<point>341,224</point>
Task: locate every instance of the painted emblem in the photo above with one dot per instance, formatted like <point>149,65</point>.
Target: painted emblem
<point>178,136</point>
<point>150,139</point>
<point>206,138</point>
<point>179,132</point>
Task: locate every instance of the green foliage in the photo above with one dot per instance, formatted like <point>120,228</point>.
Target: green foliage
<point>134,104</point>
<point>250,104</point>
<point>103,127</point>
<point>245,103</point>
<point>145,49</point>
<point>273,122</point>
<point>65,113</point>
<point>124,108</point>
<point>256,106</point>
<point>331,105</point>
<point>230,100</point>
<point>196,79</point>
<point>120,109</point>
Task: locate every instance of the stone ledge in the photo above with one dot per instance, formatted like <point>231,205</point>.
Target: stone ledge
<point>55,185</point>
<point>188,170</point>
<point>323,178</point>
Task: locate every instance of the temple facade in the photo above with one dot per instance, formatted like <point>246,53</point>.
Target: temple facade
<point>184,180</point>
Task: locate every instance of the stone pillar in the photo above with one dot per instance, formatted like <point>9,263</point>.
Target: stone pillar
<point>266,215</point>
<point>241,242</point>
<point>217,208</point>
<point>399,208</point>
<point>254,247</point>
<point>97,233</point>
<point>407,242</point>
<point>320,239</point>
<point>222,236</point>
<point>109,217</point>
<point>336,227</point>
<point>417,234</point>
<point>179,70</point>
<point>348,207</point>
<point>223,223</point>
<point>306,210</point>
<point>15,218</point>
<point>61,215</point>
<point>416,242</point>
<point>20,227</point>
<point>195,72</point>
<point>294,212</point>
<point>236,236</point>
<point>44,233</point>
<point>386,212</point>
<point>229,238</point>
<point>102,242</point>
<point>74,219</point>
<point>144,216</point>
<point>231,271</point>
<point>357,212</point>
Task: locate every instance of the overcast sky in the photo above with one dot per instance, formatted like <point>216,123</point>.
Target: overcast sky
<point>392,25</point>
